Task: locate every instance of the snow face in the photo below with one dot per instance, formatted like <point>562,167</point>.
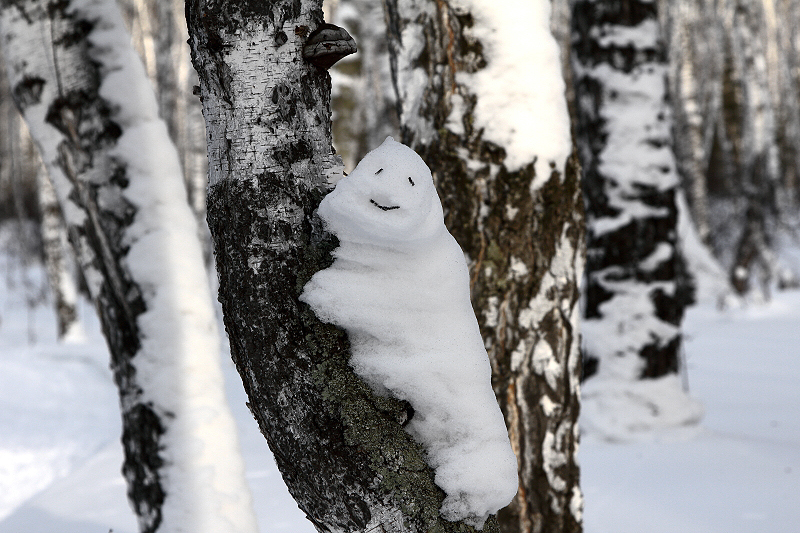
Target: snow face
<point>400,288</point>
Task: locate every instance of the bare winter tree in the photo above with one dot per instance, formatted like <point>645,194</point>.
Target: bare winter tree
<point>734,80</point>
<point>85,97</point>
<point>751,128</point>
<point>341,449</point>
<point>476,106</point>
<point>636,287</point>
<point>695,74</point>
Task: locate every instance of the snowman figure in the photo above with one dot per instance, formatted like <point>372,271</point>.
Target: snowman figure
<point>399,287</point>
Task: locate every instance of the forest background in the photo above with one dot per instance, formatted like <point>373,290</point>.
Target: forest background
<point>733,77</point>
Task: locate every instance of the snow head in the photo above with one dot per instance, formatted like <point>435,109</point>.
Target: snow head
<point>399,286</point>
<point>389,196</point>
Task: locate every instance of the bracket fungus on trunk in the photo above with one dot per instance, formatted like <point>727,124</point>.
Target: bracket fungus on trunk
<point>328,44</point>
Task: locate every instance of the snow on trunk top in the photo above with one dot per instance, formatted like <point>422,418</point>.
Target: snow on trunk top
<point>521,101</point>
<point>399,286</point>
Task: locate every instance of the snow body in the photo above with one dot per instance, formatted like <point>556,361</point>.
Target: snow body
<point>400,288</point>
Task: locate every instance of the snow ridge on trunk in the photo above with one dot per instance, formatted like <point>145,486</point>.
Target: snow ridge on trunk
<point>118,180</point>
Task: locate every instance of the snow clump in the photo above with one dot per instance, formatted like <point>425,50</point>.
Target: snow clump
<point>399,286</point>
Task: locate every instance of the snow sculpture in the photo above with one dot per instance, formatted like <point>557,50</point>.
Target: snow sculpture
<point>399,286</point>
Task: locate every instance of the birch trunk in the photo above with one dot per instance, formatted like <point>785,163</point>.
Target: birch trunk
<point>517,213</point>
<point>637,287</point>
<point>341,449</point>
<point>85,97</point>
<point>54,243</point>
<point>758,158</point>
<point>695,73</point>
<point>159,35</point>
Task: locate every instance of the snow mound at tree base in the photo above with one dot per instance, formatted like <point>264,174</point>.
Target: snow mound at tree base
<point>618,410</point>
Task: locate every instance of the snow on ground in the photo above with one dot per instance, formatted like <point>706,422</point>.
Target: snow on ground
<point>737,472</point>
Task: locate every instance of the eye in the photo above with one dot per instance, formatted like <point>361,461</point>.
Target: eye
<point>411,181</point>
<point>379,171</point>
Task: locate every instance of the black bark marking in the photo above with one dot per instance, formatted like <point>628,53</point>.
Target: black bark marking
<point>411,181</point>
<point>378,171</point>
<point>28,92</point>
<point>143,463</point>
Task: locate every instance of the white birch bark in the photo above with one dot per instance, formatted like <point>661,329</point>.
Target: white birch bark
<point>85,96</point>
<point>753,264</point>
<point>54,243</point>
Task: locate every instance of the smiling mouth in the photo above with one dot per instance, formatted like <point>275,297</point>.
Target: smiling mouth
<point>383,207</point>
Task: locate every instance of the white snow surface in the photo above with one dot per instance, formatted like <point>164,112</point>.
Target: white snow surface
<point>738,471</point>
<point>399,286</point>
<point>521,92</point>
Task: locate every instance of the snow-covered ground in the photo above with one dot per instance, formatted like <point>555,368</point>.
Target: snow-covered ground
<point>737,472</point>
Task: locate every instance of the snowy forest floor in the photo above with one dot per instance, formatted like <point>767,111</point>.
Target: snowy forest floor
<point>738,471</point>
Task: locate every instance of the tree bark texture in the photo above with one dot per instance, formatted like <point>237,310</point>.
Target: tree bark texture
<point>341,449</point>
<point>98,216</point>
<point>524,246</point>
<point>636,280</point>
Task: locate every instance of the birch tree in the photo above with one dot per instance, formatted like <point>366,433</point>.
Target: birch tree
<point>755,146</point>
<point>341,449</point>
<point>636,287</point>
<point>85,97</point>
<point>695,74</point>
<point>481,98</point>
<point>159,34</point>
<point>56,260</point>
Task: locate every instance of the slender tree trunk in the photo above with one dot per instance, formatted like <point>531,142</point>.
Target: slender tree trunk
<point>86,99</point>
<point>341,449</point>
<point>758,163</point>
<point>637,287</point>
<point>695,73</point>
<point>160,35</point>
<point>54,243</point>
<point>518,217</point>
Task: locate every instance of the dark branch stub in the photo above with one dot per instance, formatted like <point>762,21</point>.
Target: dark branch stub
<point>328,44</point>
